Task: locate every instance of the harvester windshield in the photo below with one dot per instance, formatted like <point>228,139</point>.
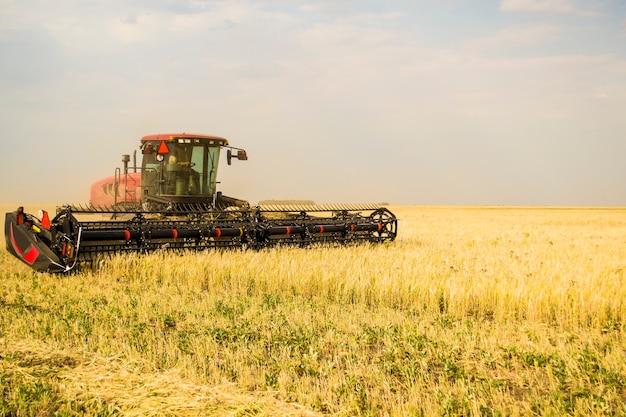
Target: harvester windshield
<point>182,167</point>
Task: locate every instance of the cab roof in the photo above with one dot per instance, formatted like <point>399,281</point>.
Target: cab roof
<point>171,136</point>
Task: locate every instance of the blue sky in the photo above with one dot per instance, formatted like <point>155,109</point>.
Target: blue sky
<point>491,102</point>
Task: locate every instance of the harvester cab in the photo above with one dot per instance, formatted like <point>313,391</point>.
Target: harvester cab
<point>177,171</point>
<point>182,169</point>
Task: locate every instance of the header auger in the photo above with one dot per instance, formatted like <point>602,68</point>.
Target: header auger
<point>171,202</point>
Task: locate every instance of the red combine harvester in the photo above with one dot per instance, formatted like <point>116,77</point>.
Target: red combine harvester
<point>171,202</point>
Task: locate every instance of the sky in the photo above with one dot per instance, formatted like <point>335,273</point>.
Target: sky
<point>410,102</point>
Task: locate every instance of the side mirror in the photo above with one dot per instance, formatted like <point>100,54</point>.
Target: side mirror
<point>241,155</point>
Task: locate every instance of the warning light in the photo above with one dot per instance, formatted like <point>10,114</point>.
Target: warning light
<point>163,148</point>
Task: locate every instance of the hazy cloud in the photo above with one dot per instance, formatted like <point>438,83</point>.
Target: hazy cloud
<point>542,6</point>
<point>515,36</point>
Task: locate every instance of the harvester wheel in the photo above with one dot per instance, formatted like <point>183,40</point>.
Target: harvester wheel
<point>387,225</point>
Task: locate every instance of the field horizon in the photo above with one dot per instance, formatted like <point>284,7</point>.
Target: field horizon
<point>473,310</point>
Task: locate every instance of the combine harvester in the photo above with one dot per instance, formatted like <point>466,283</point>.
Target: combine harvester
<point>171,202</point>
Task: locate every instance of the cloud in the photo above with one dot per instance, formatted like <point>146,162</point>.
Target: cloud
<point>515,36</point>
<point>542,6</point>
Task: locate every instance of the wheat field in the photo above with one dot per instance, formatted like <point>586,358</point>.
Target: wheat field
<point>471,311</point>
